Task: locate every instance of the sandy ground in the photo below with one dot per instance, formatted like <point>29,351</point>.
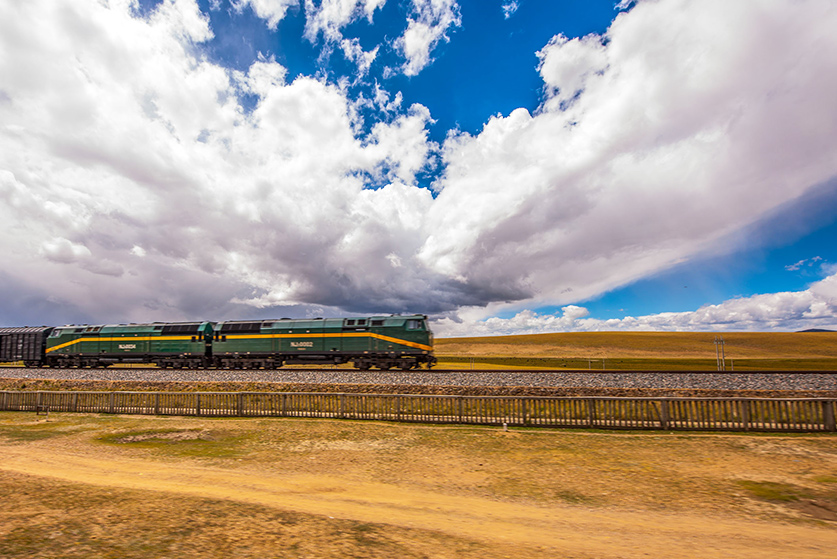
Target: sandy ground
<point>347,491</point>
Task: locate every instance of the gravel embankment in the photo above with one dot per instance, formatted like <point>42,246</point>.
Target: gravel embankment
<point>539,381</point>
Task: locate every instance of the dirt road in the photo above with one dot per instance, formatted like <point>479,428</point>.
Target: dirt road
<point>570,530</point>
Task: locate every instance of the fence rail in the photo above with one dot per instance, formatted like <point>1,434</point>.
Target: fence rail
<point>707,414</point>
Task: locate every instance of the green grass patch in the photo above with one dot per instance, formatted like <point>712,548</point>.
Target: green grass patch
<point>826,479</point>
<point>186,443</point>
<point>772,491</point>
<point>27,434</point>
<point>26,431</point>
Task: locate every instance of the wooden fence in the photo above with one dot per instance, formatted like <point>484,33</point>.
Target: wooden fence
<point>707,414</point>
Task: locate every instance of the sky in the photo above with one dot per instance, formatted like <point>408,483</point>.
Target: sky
<point>502,166</point>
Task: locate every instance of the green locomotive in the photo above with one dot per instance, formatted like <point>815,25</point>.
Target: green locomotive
<point>184,344</point>
<point>384,342</point>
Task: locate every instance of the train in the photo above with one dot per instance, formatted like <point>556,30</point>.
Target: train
<point>384,342</point>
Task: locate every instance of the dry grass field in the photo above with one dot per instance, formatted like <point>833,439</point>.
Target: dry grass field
<point>645,350</point>
<point>90,486</point>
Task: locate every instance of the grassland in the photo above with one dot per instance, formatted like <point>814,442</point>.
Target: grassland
<point>643,351</point>
<point>89,486</point>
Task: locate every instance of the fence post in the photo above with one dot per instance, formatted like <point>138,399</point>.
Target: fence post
<point>157,404</point>
<point>38,399</point>
<point>745,413</point>
<point>664,415</point>
<point>240,405</point>
<point>342,406</point>
<point>828,415</point>
<point>459,406</point>
<point>198,405</point>
<point>111,402</point>
<point>75,402</point>
<point>5,401</point>
<point>590,411</point>
<point>525,410</point>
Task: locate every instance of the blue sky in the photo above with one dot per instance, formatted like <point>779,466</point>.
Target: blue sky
<point>489,66</point>
<point>786,251</point>
<point>505,167</point>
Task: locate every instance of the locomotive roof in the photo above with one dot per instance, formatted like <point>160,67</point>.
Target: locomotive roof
<point>190,322</point>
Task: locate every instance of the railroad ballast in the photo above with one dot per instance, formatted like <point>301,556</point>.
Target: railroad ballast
<point>385,342</point>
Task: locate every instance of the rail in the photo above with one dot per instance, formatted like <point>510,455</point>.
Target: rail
<point>675,414</point>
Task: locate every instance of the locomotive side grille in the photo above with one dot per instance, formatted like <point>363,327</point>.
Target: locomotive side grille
<point>241,327</point>
<point>186,329</point>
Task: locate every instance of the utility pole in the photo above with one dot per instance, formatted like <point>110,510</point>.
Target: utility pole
<point>720,357</point>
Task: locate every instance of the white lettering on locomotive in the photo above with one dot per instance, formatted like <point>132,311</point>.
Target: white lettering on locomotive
<point>127,346</point>
<point>302,344</point>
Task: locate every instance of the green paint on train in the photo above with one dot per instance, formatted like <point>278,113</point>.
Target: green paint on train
<point>385,342</point>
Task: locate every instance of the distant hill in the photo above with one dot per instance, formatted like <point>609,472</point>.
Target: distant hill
<point>689,345</point>
<point>816,330</point>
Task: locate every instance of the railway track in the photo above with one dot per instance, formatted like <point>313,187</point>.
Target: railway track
<point>555,378</point>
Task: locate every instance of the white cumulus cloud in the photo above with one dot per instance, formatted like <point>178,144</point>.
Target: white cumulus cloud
<point>509,8</point>
<point>272,11</point>
<point>116,134</point>
<point>426,28</point>
<point>815,307</point>
<point>686,121</point>
<point>328,17</point>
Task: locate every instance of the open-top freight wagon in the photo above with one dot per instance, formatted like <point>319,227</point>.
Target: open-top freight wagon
<point>385,342</point>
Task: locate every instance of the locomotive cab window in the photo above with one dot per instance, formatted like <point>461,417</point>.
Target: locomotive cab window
<point>55,333</point>
<point>415,324</point>
<point>377,323</point>
<point>361,322</point>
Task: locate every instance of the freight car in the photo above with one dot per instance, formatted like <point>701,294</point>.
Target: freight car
<point>26,344</point>
<point>385,342</point>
